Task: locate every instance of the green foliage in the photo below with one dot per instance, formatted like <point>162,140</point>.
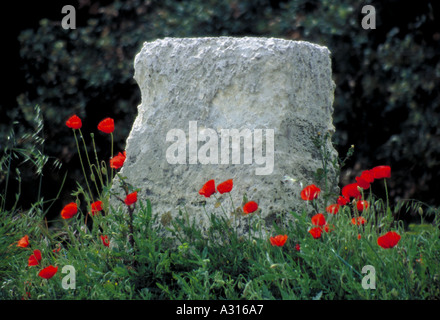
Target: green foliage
<point>220,264</point>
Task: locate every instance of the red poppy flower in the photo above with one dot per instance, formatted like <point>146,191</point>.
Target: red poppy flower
<point>297,247</point>
<point>23,242</point>
<point>107,125</point>
<point>48,272</point>
<point>316,232</point>
<point>351,191</point>
<point>333,208</point>
<point>208,189</point>
<point>368,176</point>
<point>225,186</point>
<point>358,221</point>
<point>250,207</point>
<point>318,220</point>
<point>362,205</point>
<point>388,240</point>
<point>74,122</point>
<point>69,210</point>
<point>278,240</point>
<point>361,182</point>
<point>117,161</point>
<point>96,207</point>
<point>381,172</point>
<point>342,201</point>
<point>35,258</point>
<point>310,192</point>
<point>105,241</point>
<point>131,198</point>
<point>359,236</point>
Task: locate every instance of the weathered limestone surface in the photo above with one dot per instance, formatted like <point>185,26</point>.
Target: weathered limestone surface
<point>205,85</point>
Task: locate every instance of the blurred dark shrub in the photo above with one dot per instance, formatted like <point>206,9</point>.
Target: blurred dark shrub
<point>388,80</point>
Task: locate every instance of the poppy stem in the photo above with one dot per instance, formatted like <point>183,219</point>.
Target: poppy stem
<point>221,205</point>
<point>82,164</point>
<point>97,160</point>
<point>386,194</point>
<point>130,227</point>
<point>234,213</point>
<point>111,135</point>
<point>90,165</point>
<point>250,226</point>
<point>105,171</point>
<point>315,206</point>
<point>371,247</point>
<point>130,222</point>
<point>206,213</point>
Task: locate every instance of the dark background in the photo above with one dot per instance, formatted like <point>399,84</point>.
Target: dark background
<point>387,99</point>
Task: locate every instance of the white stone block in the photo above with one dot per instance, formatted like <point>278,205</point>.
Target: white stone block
<point>276,93</point>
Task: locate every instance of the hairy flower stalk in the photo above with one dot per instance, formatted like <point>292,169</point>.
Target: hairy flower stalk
<point>90,167</point>
<point>111,152</point>
<point>130,201</point>
<point>98,167</point>
<point>82,165</point>
<point>233,211</point>
<point>130,226</point>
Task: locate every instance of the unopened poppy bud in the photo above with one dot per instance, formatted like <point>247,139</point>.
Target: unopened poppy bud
<point>104,170</point>
<point>92,177</point>
<point>420,210</point>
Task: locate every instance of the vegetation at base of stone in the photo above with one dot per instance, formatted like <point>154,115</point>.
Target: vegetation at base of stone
<point>177,258</point>
<point>387,80</point>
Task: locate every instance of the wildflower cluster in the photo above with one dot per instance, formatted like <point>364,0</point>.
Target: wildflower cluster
<point>95,207</point>
<point>35,259</point>
<point>248,207</point>
<point>351,194</point>
<point>106,126</point>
